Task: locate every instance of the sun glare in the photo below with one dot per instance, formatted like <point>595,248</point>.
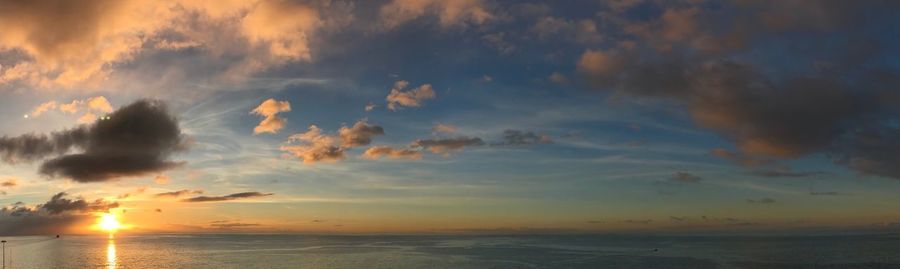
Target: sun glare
<point>109,223</point>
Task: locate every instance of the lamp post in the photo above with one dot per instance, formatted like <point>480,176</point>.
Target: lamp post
<point>4,253</point>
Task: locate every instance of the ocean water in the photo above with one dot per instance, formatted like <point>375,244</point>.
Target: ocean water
<point>437,252</point>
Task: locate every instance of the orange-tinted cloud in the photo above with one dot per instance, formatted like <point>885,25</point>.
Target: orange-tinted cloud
<point>444,128</point>
<point>378,152</point>
<point>449,12</point>
<point>97,104</point>
<point>82,43</point>
<point>314,146</point>
<point>9,183</point>
<point>269,109</point>
<point>411,98</point>
<point>176,194</point>
<point>162,179</point>
<point>359,134</point>
<point>281,26</point>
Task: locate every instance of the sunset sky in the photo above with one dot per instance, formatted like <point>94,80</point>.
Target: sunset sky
<point>449,116</point>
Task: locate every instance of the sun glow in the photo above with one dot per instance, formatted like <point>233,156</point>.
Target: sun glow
<point>109,223</point>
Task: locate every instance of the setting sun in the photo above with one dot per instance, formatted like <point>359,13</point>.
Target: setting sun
<point>109,223</point>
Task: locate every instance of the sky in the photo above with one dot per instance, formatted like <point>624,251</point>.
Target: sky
<point>456,116</point>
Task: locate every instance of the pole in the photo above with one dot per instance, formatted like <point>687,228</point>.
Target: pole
<point>4,253</point>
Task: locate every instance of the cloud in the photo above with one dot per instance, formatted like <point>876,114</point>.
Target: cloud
<point>234,196</point>
<point>444,128</point>
<point>741,159</point>
<point>378,152</point>
<point>97,104</point>
<point>176,194</point>
<point>9,183</point>
<point>761,201</point>
<point>227,225</point>
<point>582,31</point>
<point>558,78</point>
<point>522,138</point>
<point>447,145</point>
<point>760,166</point>
<point>136,139</point>
<point>86,118</point>
<point>638,221</point>
<point>828,193</point>
<point>269,109</point>
<point>693,56</point>
<point>774,173</point>
<point>448,12</point>
<point>870,151</point>
<point>65,52</point>
<point>412,98</point>
<point>314,146</point>
<point>162,179</point>
<point>31,147</point>
<point>359,134</point>
<point>282,26</point>
<point>58,215</point>
<point>685,177</point>
<point>44,107</point>
<point>59,204</point>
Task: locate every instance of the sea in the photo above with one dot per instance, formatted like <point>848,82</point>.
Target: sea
<point>451,251</point>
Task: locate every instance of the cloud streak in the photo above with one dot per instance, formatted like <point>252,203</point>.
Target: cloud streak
<point>233,196</point>
<point>447,145</point>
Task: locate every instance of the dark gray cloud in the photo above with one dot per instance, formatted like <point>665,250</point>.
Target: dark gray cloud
<point>685,177</point>
<point>447,145</point>
<point>360,134</point>
<point>871,151</point>
<point>176,194</point>
<point>59,204</point>
<point>637,221</point>
<point>136,139</point>
<point>761,201</point>
<point>227,225</point>
<point>827,193</point>
<point>522,138</point>
<point>773,173</point>
<point>32,147</point>
<point>234,196</point>
<point>58,215</point>
<point>817,101</point>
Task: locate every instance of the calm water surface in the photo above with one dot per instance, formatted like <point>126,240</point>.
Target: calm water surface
<point>435,252</point>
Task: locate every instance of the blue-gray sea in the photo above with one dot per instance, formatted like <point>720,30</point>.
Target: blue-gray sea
<point>436,252</point>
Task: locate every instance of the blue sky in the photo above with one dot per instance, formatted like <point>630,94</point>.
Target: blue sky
<point>619,115</point>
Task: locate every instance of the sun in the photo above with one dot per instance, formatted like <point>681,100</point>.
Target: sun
<point>108,222</point>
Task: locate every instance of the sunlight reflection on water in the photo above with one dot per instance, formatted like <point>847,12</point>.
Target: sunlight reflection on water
<point>111,254</point>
